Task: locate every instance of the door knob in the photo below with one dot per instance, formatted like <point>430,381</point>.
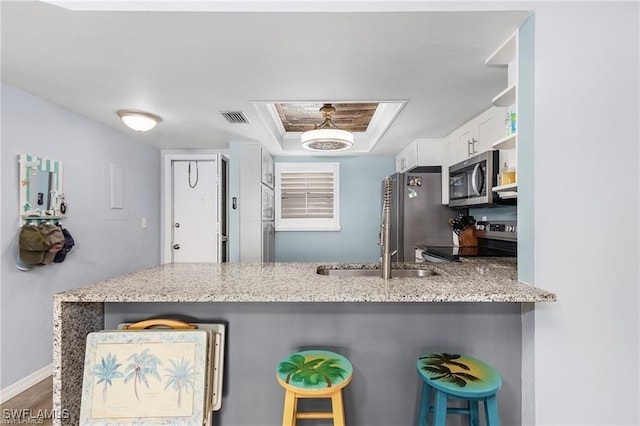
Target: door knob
<point>177,225</point>
<point>176,246</point>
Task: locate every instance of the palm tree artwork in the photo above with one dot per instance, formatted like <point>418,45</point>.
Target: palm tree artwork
<point>106,371</point>
<point>436,364</point>
<point>312,372</point>
<point>181,376</point>
<point>140,366</point>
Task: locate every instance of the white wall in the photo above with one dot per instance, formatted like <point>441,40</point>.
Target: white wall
<point>586,213</point>
<point>107,243</point>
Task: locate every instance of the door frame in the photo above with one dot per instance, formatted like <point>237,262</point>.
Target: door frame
<point>166,196</point>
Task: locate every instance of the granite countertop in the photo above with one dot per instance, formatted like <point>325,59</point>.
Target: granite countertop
<point>472,280</point>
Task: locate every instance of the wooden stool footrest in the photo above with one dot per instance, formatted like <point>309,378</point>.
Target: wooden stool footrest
<point>315,415</point>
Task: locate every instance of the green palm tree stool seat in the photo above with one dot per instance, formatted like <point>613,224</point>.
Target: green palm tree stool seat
<point>452,376</point>
<point>313,374</point>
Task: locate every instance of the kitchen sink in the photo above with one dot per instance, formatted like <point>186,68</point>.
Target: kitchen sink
<point>374,272</point>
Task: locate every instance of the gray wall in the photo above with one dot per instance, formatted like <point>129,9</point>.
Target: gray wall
<point>360,215</point>
<point>382,340</point>
<point>586,212</point>
<point>107,243</point>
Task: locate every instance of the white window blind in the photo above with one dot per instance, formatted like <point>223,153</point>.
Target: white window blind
<point>306,196</point>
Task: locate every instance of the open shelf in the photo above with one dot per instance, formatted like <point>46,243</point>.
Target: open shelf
<point>507,142</point>
<point>506,98</point>
<point>503,54</point>
<point>506,192</point>
<point>508,187</point>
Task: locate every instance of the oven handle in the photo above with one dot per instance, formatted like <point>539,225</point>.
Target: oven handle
<point>474,179</point>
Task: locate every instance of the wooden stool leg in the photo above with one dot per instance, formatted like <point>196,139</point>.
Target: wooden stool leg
<point>491,411</point>
<point>338,408</point>
<point>440,409</point>
<point>474,413</point>
<point>289,412</point>
<point>425,405</point>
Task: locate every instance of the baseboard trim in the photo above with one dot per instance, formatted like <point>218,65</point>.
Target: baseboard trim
<point>25,383</point>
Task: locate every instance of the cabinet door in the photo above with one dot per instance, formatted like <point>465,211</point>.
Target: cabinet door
<point>407,158</point>
<point>467,142</point>
<point>490,128</point>
<point>268,177</point>
<point>429,152</point>
<point>268,242</point>
<point>268,206</point>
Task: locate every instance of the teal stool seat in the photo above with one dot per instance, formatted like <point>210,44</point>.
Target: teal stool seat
<point>451,376</point>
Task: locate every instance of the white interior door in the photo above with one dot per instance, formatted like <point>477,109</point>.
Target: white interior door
<point>194,211</point>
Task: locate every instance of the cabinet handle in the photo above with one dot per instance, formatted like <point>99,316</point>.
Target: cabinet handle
<point>403,163</point>
<point>473,142</point>
<point>469,148</point>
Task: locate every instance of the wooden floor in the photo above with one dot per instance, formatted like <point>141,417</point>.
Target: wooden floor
<point>36,398</point>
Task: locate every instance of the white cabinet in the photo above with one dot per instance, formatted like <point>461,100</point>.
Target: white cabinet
<point>506,56</point>
<point>490,126</point>
<point>256,204</point>
<point>268,242</point>
<point>488,131</point>
<point>420,152</point>
<point>473,138</point>
<point>267,168</point>
<point>268,206</point>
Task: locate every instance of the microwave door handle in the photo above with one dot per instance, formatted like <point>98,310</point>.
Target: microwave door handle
<point>474,179</point>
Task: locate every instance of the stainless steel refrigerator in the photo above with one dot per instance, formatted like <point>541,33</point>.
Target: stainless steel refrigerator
<point>417,214</point>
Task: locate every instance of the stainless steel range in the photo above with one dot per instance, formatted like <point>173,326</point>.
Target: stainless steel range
<point>495,238</point>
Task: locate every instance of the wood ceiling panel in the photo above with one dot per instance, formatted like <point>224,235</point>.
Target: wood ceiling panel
<point>300,117</point>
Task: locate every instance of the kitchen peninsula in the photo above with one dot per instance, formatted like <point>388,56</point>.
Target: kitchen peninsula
<point>401,318</point>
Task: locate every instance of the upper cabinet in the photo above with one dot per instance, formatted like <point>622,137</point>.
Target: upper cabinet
<point>420,152</point>
<point>473,138</point>
<point>506,56</point>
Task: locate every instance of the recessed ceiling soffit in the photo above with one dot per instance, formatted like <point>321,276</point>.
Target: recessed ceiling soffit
<point>367,120</point>
<point>301,117</point>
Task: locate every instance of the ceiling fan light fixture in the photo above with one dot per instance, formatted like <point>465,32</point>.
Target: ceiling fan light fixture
<point>139,121</point>
<point>327,136</point>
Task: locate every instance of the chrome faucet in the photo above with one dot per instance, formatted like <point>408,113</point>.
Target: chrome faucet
<point>385,230</point>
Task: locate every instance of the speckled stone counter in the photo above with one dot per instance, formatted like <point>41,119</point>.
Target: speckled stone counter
<point>81,311</point>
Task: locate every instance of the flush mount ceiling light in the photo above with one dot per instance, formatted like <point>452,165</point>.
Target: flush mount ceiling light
<point>139,121</point>
<point>327,136</point>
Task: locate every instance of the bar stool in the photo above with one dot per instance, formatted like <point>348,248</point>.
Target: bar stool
<point>451,376</point>
<point>313,374</point>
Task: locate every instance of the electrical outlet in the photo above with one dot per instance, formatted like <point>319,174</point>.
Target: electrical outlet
<point>143,222</point>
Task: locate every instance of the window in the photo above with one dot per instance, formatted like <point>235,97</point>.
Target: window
<point>307,197</point>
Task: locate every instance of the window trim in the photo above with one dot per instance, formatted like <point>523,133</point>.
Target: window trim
<point>308,224</point>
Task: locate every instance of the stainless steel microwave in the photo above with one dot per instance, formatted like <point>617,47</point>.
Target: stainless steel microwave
<point>471,181</point>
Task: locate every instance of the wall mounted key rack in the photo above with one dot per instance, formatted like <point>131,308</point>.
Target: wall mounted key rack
<point>41,190</point>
